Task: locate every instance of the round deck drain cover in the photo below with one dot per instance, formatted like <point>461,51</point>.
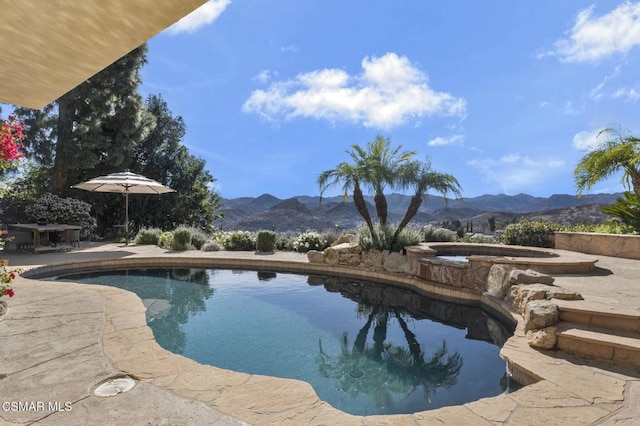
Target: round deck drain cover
<point>115,386</point>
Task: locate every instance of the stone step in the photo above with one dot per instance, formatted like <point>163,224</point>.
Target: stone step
<point>619,347</point>
<point>594,314</point>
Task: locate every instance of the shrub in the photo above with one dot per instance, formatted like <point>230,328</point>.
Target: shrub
<point>166,240</point>
<point>529,233</point>
<point>309,241</point>
<point>475,239</point>
<point>148,236</point>
<point>409,236</point>
<point>626,209</point>
<point>330,237</point>
<point>54,209</point>
<point>181,238</point>
<point>609,227</point>
<point>366,242</point>
<point>238,241</point>
<point>198,238</point>
<point>212,245</point>
<point>433,234</point>
<point>266,241</point>
<point>284,242</point>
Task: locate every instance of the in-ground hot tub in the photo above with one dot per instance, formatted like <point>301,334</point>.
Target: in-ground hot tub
<point>468,265</point>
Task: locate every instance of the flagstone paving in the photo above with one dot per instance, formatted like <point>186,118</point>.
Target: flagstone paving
<point>58,341</point>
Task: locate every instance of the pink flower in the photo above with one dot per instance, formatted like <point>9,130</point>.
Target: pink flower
<point>11,137</point>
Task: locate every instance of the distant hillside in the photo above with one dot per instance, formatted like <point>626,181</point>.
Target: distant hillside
<point>291,204</point>
<point>301,213</point>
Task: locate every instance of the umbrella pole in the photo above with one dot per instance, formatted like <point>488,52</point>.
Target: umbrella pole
<point>126,218</point>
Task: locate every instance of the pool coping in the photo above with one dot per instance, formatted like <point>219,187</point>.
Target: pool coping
<point>567,389</point>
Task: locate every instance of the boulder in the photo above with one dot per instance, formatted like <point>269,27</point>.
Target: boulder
<point>545,338</point>
<point>332,254</point>
<point>351,259</point>
<point>346,238</point>
<point>563,294</point>
<point>395,262</point>
<point>529,276</point>
<point>540,314</point>
<point>498,281</point>
<point>523,294</point>
<point>373,258</point>
<point>315,256</point>
<point>343,254</point>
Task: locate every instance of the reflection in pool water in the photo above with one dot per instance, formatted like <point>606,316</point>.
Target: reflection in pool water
<point>375,350</point>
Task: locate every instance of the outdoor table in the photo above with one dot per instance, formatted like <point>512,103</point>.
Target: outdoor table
<point>36,230</point>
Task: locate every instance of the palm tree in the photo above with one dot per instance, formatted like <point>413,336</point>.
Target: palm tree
<point>610,157</point>
<point>350,177</point>
<point>379,164</point>
<point>363,368</point>
<point>378,167</point>
<point>421,178</point>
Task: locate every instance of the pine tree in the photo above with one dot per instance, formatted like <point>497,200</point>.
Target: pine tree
<point>91,129</point>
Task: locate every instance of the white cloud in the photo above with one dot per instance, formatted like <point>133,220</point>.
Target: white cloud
<point>291,48</point>
<point>510,159</point>
<point>596,92</point>
<point>627,94</point>
<point>587,140</point>
<point>513,173</point>
<point>264,76</point>
<point>451,140</point>
<point>570,109</point>
<point>204,15</point>
<point>389,91</point>
<point>595,38</point>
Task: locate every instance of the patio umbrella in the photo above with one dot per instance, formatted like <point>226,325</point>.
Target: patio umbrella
<point>124,183</point>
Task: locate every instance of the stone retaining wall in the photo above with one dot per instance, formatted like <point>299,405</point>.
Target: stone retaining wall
<point>627,246</point>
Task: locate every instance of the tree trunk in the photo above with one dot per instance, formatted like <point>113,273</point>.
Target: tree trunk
<point>361,339</point>
<point>381,207</point>
<point>361,205</point>
<point>412,210</point>
<point>635,181</point>
<point>380,334</point>
<point>60,171</point>
<point>414,346</point>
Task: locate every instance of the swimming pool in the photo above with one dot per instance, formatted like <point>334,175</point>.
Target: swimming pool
<point>371,349</point>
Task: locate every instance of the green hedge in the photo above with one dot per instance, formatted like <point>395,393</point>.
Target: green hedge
<point>148,236</point>
<point>266,241</point>
<point>529,233</point>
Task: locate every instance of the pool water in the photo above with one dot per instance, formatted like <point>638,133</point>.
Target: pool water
<point>365,348</point>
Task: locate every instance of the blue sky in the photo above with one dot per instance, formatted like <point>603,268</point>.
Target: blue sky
<point>506,96</point>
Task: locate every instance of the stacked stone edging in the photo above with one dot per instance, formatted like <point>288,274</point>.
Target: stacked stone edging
<point>615,245</point>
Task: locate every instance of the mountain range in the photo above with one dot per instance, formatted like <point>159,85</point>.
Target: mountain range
<point>302,213</point>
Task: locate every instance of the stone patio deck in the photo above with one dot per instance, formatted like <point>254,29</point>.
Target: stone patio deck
<point>59,341</point>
